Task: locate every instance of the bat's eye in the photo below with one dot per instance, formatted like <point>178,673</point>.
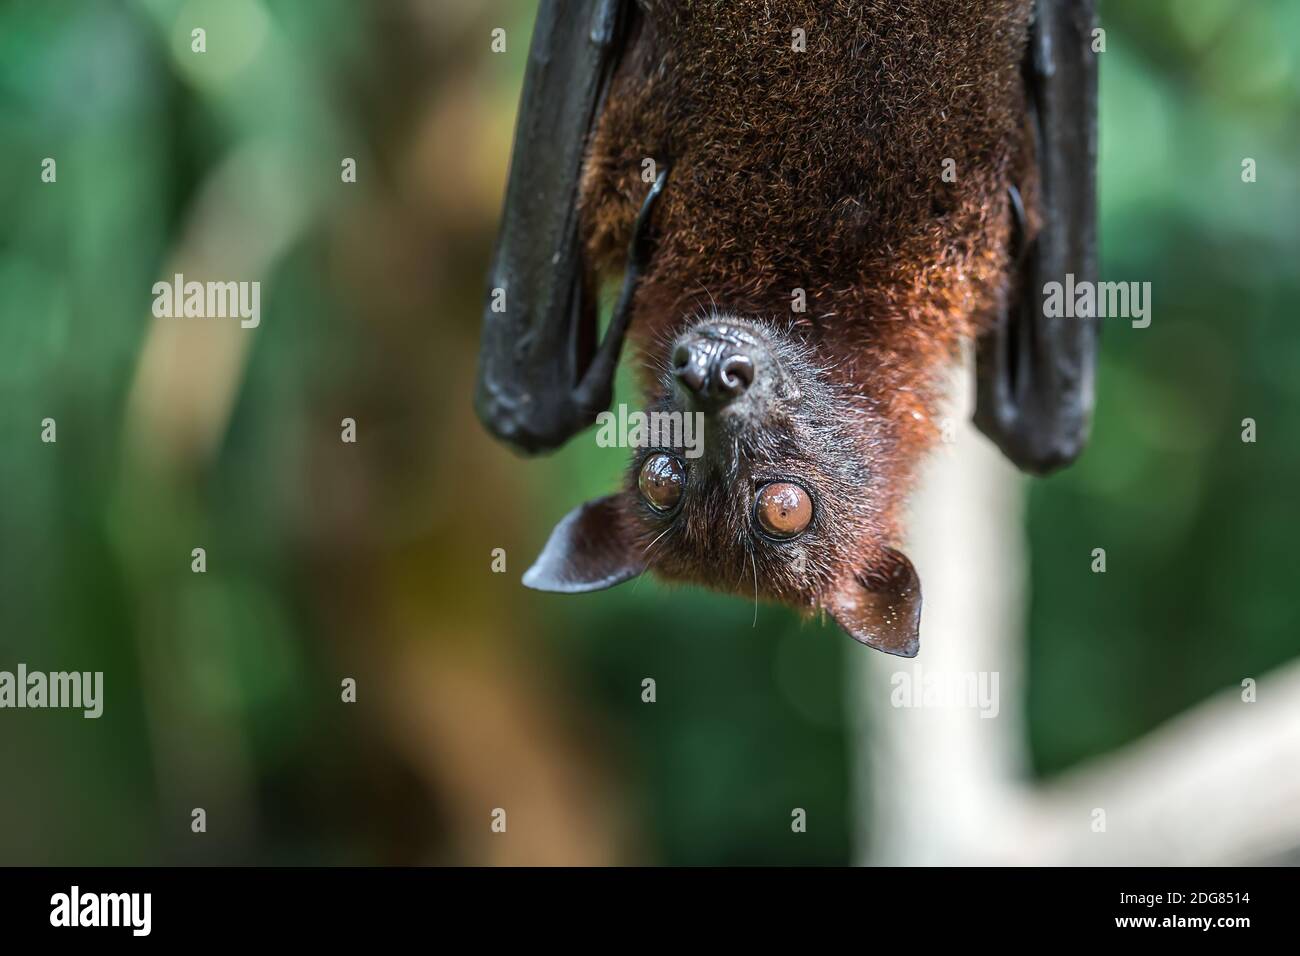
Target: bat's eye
<point>783,509</point>
<point>661,482</point>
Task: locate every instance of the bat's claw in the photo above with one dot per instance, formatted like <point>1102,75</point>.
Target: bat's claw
<point>597,385</point>
<point>641,248</point>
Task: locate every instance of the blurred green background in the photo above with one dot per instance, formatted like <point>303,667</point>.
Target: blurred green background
<point>371,560</point>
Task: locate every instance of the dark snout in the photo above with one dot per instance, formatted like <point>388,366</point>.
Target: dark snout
<point>715,371</point>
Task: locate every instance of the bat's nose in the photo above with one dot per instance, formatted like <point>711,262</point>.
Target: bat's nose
<point>691,366</point>
<point>714,372</point>
<point>735,372</point>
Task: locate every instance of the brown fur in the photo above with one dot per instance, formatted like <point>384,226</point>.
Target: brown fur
<point>821,170</point>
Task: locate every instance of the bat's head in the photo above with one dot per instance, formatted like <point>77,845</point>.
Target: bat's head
<point>757,474</point>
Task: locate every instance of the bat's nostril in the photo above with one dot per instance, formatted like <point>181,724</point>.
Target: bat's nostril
<point>689,368</point>
<point>735,374</point>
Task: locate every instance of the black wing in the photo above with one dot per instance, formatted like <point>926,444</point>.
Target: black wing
<point>1035,374</point>
<point>541,375</point>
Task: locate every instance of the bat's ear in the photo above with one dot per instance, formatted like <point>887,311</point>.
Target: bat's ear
<point>881,607</point>
<point>589,550</point>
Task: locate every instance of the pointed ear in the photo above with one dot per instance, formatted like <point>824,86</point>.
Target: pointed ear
<point>882,607</point>
<point>589,550</point>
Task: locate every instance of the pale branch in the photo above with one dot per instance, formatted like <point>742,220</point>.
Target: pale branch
<point>1217,784</point>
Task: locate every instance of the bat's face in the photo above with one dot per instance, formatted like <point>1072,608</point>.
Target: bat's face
<point>767,479</point>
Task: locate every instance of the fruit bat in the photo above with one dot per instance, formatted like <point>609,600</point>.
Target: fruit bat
<point>813,205</point>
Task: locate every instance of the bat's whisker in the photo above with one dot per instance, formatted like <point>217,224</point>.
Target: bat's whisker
<point>658,537</point>
<point>754,565</point>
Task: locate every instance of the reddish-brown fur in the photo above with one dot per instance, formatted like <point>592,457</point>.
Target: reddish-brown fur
<point>821,170</point>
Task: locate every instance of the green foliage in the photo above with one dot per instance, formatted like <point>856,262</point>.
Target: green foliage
<point>1197,525</point>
